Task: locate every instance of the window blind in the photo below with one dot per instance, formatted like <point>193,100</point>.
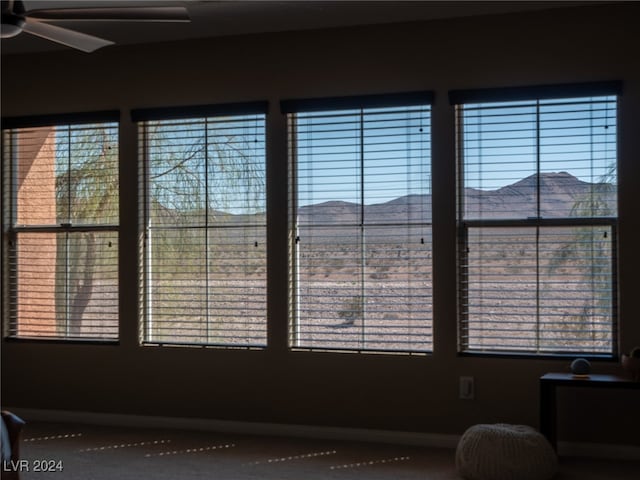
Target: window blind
<point>205,227</point>
<point>538,216</point>
<point>361,275</point>
<point>62,181</point>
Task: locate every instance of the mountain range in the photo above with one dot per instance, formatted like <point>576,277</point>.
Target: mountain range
<point>560,194</point>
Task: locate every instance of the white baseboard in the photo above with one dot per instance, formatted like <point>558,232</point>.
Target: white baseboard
<point>573,449</point>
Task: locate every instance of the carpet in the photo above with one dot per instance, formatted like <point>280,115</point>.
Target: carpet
<point>83,452</point>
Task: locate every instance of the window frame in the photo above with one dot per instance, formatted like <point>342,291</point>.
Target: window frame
<point>192,112</point>
<point>458,98</point>
<point>12,229</point>
<point>366,104</point>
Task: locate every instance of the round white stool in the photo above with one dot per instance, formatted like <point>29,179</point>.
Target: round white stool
<point>505,452</point>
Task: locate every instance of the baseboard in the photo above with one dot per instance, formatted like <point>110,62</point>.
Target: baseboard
<point>250,428</point>
<point>568,449</point>
<point>599,450</point>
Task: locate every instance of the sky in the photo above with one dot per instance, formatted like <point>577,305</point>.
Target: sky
<point>503,143</point>
<point>377,155</point>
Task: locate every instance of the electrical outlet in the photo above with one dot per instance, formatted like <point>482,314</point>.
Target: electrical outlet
<point>467,388</point>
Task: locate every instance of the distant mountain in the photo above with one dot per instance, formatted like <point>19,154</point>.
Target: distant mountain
<point>413,207</point>
<point>560,193</point>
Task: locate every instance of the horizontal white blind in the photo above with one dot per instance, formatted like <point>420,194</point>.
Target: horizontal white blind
<point>205,241</point>
<point>361,217</point>
<point>538,208</point>
<point>541,290</point>
<point>63,247</point>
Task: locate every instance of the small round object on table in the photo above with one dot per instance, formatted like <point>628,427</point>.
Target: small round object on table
<point>505,452</point>
<point>580,366</point>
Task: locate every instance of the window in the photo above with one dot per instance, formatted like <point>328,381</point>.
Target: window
<point>204,225</point>
<point>361,223</point>
<point>538,215</point>
<point>61,177</point>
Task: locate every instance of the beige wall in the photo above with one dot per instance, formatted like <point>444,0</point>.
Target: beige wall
<point>369,391</point>
<point>36,194</point>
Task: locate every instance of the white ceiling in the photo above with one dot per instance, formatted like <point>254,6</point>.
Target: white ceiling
<point>217,18</point>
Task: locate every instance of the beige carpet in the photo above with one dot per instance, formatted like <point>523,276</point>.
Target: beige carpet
<point>110,453</point>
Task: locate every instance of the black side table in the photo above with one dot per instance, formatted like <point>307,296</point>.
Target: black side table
<point>551,381</point>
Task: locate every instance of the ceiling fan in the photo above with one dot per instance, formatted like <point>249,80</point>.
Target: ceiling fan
<point>16,19</point>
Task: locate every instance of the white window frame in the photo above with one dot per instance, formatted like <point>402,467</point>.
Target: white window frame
<point>87,325</point>
<point>485,342</point>
<point>408,329</point>
<point>217,329</point>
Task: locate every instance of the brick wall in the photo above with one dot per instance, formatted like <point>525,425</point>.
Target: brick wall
<point>36,205</point>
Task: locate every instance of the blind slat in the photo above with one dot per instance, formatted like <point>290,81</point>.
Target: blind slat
<point>560,91</point>
<point>199,111</point>
<point>356,102</point>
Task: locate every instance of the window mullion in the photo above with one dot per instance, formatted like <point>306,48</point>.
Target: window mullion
<point>363,254</point>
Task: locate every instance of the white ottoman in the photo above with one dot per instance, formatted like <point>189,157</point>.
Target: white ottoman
<point>505,452</point>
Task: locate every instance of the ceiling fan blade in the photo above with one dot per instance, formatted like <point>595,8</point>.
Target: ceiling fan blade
<point>121,14</point>
<point>70,38</point>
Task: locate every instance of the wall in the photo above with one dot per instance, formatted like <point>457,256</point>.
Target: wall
<point>403,393</point>
<point>36,182</point>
